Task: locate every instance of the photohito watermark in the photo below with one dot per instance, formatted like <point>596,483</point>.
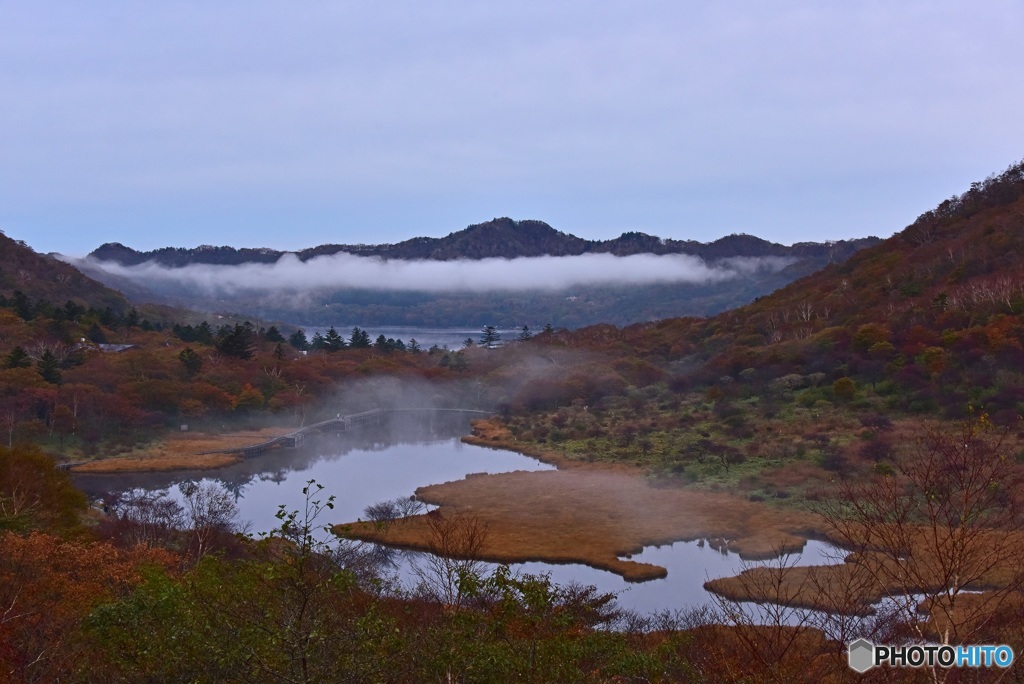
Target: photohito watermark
<point>864,655</point>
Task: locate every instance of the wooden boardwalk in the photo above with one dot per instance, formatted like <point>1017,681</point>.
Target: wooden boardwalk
<point>340,424</point>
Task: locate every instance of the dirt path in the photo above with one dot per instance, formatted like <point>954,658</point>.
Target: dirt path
<point>593,515</point>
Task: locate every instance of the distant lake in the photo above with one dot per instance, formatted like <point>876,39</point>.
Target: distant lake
<point>426,337</point>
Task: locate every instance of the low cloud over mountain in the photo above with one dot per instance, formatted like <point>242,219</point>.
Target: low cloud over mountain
<point>503,271</point>
<point>344,271</point>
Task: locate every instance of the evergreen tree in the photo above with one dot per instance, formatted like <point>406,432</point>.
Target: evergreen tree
<point>298,340</point>
<point>548,330</point>
<point>333,342</point>
<point>360,339</point>
<point>489,336</point>
<point>317,343</point>
<point>96,334</point>
<point>204,333</point>
<point>71,311</point>
<point>238,342</point>
<point>132,319</point>
<point>273,335</point>
<point>279,352</point>
<point>414,346</point>
<point>108,318</point>
<point>185,333</point>
<point>22,305</point>
<point>18,358</point>
<point>191,361</point>
<point>525,334</point>
<point>49,368</point>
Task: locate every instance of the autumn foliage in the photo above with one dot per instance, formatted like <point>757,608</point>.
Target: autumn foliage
<point>825,380</point>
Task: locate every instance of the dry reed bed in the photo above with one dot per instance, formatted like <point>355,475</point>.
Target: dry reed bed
<point>992,559</point>
<point>592,514</point>
<point>180,451</point>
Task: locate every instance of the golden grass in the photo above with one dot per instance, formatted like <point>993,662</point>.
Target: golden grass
<point>853,586</point>
<point>844,588</point>
<point>592,514</point>
<point>179,451</point>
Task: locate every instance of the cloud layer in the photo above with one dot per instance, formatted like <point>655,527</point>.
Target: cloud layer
<point>344,271</point>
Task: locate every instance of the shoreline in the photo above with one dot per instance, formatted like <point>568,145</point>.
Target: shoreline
<point>178,451</point>
<point>596,514</point>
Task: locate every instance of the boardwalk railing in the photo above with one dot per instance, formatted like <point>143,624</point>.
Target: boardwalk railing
<point>340,424</point>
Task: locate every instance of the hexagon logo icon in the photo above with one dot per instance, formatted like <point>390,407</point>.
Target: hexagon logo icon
<point>861,655</point>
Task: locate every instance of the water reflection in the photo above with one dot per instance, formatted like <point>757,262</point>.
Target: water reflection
<point>689,565</point>
<point>382,462</point>
<point>369,464</point>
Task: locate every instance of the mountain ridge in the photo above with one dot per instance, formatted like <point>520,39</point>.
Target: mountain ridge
<point>497,238</point>
<point>501,238</point>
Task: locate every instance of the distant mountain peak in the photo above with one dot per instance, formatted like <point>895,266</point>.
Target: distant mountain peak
<point>501,237</point>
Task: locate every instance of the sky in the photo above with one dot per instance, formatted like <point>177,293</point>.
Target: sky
<point>288,125</point>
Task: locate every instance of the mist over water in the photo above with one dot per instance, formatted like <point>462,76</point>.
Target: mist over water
<point>390,460</point>
<point>372,463</point>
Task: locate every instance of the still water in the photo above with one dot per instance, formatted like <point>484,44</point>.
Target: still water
<point>380,462</point>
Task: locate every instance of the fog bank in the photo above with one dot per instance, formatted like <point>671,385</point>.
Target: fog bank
<point>343,271</point>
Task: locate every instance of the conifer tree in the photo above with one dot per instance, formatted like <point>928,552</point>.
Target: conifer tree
<point>49,368</point>
<point>333,342</point>
<point>489,336</point>
<point>298,340</point>
<point>18,358</point>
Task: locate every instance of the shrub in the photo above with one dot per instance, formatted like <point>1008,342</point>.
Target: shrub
<point>844,389</point>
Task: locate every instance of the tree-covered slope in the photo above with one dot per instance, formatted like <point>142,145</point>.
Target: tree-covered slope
<point>931,316</point>
<point>43,277</point>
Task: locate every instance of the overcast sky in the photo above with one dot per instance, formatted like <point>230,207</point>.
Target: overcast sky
<point>289,125</point>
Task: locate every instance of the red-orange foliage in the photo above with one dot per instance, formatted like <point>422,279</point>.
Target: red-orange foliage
<point>935,310</point>
<point>34,494</point>
<point>47,587</point>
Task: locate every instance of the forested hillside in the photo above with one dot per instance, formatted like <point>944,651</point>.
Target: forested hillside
<point>375,302</point>
<point>42,277</point>
<point>841,372</point>
<point>930,318</point>
<point>893,382</point>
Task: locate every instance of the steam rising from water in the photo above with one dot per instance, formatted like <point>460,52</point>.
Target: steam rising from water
<point>341,271</point>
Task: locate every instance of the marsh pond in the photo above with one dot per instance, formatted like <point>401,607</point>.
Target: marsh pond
<point>383,462</point>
